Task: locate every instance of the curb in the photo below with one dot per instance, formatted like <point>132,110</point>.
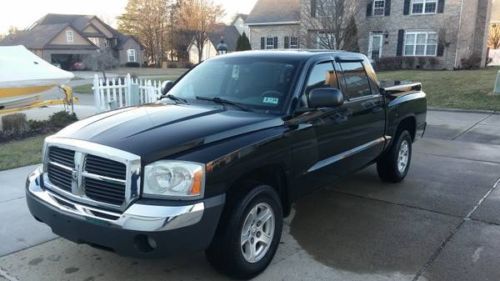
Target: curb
<point>458,110</point>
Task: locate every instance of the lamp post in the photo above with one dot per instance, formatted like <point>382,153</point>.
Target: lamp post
<point>221,48</point>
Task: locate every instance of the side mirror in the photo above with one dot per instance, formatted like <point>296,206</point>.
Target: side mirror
<point>166,86</point>
<point>325,97</point>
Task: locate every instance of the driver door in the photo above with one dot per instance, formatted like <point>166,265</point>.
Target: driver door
<point>331,130</point>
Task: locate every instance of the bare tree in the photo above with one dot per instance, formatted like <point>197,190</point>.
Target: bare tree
<point>101,61</point>
<point>330,24</point>
<point>148,20</point>
<point>198,17</point>
<point>494,37</point>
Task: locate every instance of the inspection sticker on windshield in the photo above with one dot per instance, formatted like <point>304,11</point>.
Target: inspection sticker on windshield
<point>271,100</point>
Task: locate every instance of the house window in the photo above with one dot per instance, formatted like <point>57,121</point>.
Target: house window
<point>291,42</point>
<point>294,42</point>
<point>378,7</point>
<point>326,41</point>
<point>70,36</point>
<point>270,43</point>
<point>420,44</point>
<point>131,55</point>
<point>420,7</point>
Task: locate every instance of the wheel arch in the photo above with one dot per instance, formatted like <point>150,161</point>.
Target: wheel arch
<point>273,175</point>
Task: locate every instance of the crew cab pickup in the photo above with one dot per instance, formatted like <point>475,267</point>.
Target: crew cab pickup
<point>216,163</point>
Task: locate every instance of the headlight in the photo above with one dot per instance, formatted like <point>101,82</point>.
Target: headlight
<point>174,179</point>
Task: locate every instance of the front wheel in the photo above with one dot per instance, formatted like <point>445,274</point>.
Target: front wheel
<point>394,165</point>
<point>248,234</point>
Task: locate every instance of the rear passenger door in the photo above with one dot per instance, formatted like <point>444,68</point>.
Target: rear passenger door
<point>365,106</point>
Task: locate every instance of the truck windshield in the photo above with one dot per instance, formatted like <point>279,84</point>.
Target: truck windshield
<point>258,84</point>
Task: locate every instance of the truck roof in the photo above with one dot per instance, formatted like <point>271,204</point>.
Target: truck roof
<point>298,54</point>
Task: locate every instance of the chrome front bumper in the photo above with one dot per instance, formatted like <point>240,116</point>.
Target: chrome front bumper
<point>137,217</point>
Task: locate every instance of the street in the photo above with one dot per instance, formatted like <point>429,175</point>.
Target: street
<point>441,223</point>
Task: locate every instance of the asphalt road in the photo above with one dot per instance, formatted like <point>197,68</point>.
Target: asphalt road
<point>441,223</point>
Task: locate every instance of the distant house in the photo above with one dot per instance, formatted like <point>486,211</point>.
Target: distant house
<point>67,39</point>
<point>240,22</point>
<point>443,32</point>
<point>274,24</point>
<point>228,34</point>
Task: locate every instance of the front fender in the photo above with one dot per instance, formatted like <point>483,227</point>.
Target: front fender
<point>228,160</point>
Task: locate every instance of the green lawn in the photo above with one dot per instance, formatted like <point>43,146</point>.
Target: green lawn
<point>466,89</point>
<point>21,153</point>
<point>87,88</point>
<point>83,89</point>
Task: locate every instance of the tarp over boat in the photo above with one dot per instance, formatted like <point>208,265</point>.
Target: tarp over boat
<point>23,74</point>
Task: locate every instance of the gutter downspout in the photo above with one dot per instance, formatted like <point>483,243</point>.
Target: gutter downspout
<point>458,33</point>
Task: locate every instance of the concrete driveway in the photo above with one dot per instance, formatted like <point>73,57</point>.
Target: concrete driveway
<point>441,223</point>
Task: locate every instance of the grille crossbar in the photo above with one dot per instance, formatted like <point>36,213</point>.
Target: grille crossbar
<point>63,172</point>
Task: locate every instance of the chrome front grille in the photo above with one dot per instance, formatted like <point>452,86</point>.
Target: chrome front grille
<point>109,192</point>
<point>60,177</point>
<point>91,173</point>
<point>105,167</point>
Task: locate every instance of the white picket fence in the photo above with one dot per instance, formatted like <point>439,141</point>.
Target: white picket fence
<point>120,92</point>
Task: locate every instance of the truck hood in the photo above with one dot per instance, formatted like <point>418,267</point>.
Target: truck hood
<point>156,131</point>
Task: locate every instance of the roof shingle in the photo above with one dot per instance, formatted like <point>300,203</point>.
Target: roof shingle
<point>274,11</point>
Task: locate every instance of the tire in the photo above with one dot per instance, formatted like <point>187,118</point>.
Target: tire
<point>227,253</point>
<point>393,166</point>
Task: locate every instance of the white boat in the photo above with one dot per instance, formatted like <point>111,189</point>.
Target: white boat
<point>24,75</point>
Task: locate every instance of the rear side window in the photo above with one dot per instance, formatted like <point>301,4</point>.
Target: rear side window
<point>355,80</point>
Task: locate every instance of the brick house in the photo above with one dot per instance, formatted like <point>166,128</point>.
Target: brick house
<point>450,30</point>
<point>274,24</point>
<point>447,30</point>
<point>67,39</point>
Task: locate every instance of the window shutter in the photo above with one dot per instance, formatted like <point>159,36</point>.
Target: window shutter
<point>276,42</point>
<point>387,7</point>
<point>287,42</point>
<point>406,9</point>
<point>262,43</point>
<point>401,38</point>
<point>441,6</point>
<point>440,50</point>
<point>313,8</point>
<point>369,9</point>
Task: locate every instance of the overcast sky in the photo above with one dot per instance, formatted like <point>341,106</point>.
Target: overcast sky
<point>22,13</point>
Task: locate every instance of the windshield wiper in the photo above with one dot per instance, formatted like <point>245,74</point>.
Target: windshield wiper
<point>174,98</point>
<point>224,101</point>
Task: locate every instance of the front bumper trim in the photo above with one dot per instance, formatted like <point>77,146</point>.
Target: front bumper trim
<point>138,217</point>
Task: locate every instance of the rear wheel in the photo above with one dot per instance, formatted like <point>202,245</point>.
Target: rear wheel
<point>394,165</point>
<point>248,234</point>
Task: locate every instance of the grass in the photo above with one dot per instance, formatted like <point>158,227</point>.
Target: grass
<point>466,89</point>
<point>87,88</point>
<point>21,153</point>
<point>83,89</point>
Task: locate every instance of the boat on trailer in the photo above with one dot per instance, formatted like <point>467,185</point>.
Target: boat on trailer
<point>24,75</point>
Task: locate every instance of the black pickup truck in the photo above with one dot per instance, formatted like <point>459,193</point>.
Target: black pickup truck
<point>217,162</point>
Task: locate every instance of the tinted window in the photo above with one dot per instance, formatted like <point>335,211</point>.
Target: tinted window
<point>356,83</point>
<point>258,83</point>
<point>322,75</point>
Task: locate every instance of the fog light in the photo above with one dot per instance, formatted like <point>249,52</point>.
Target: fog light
<point>152,243</point>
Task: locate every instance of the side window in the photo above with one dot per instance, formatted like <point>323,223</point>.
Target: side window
<point>355,81</point>
<point>322,75</point>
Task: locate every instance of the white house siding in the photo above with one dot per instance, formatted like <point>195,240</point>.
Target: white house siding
<point>208,52</point>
